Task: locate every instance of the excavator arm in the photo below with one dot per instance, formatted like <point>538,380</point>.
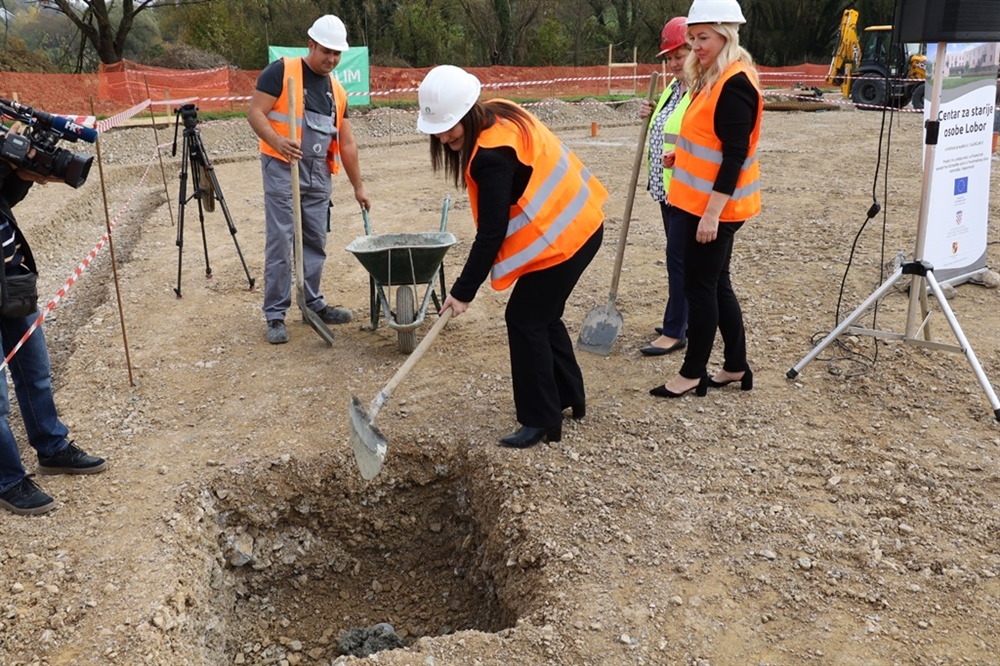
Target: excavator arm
<point>846,54</point>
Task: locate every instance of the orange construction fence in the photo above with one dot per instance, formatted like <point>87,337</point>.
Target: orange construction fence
<point>119,87</point>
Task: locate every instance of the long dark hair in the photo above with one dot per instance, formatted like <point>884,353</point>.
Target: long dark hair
<point>478,118</point>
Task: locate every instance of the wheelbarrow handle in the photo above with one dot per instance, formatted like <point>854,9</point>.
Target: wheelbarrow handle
<point>444,211</point>
<point>368,224</point>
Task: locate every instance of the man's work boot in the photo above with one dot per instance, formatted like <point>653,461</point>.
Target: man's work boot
<point>277,332</point>
<point>332,315</point>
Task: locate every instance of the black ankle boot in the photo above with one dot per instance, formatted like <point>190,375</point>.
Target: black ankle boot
<point>578,411</point>
<point>527,436</point>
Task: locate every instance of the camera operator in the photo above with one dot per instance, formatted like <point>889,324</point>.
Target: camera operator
<point>29,369</point>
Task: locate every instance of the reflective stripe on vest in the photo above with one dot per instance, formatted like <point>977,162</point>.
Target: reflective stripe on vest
<point>699,157</point>
<point>558,212</point>
<point>279,114</point>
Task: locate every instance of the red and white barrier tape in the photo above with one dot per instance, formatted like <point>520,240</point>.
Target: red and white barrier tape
<point>842,102</point>
<point>802,77</point>
<point>114,120</point>
<point>172,73</point>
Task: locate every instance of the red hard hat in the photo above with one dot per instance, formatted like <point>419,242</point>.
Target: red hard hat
<point>674,35</point>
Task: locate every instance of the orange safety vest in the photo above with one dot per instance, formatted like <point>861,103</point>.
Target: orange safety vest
<point>560,208</point>
<point>278,115</point>
<point>698,157</point>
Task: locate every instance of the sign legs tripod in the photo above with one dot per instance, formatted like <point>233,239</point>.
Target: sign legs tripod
<point>205,189</point>
<point>920,273</point>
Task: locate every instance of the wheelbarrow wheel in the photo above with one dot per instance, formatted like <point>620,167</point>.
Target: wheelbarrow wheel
<point>405,314</point>
<point>373,303</point>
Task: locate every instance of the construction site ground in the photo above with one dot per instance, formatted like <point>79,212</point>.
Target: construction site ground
<point>849,516</point>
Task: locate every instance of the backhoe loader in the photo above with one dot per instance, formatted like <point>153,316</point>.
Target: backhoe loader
<point>874,71</point>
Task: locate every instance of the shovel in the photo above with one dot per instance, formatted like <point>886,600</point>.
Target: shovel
<point>308,315</point>
<point>368,442</point>
<point>603,324</point>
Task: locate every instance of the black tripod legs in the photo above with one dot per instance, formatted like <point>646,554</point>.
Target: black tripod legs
<point>180,224</point>
<point>205,190</point>
<point>217,192</point>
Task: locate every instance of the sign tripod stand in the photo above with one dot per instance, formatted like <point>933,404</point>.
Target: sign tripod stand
<point>919,271</point>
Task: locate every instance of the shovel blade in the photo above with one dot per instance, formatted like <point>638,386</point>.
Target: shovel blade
<point>368,443</point>
<point>600,328</point>
<point>317,324</point>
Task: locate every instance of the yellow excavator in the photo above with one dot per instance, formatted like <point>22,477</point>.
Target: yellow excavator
<point>874,71</point>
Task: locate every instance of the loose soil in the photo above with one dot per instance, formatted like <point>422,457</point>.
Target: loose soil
<point>849,516</point>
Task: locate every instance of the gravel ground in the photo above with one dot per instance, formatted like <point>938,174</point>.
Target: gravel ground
<point>847,517</point>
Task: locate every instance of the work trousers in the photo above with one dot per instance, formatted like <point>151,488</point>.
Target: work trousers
<point>711,302</point>
<point>30,370</point>
<point>675,314</point>
<point>544,371</point>
<point>315,188</point>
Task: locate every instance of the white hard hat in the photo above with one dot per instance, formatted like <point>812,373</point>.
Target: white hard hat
<point>329,31</point>
<point>446,94</point>
<point>715,11</point>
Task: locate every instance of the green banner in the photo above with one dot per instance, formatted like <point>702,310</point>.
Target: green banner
<point>352,72</point>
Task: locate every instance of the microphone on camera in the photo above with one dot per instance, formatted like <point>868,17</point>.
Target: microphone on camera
<point>69,129</point>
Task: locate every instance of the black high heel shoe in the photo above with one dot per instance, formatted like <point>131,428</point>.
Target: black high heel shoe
<point>746,381</point>
<point>700,389</point>
<point>579,411</point>
<point>527,437</point>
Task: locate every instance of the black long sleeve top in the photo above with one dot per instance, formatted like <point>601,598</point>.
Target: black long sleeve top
<point>12,188</point>
<point>501,180</point>
<point>735,118</point>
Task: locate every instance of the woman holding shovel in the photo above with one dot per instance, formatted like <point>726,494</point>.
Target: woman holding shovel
<point>716,186</point>
<point>539,223</point>
<point>664,123</point>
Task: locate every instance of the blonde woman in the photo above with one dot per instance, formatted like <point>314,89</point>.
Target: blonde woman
<point>716,187</point>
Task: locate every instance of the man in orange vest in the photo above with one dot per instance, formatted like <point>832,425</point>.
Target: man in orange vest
<point>324,142</point>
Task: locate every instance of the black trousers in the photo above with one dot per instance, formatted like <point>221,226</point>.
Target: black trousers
<point>544,371</point>
<point>711,302</point>
<point>676,312</point>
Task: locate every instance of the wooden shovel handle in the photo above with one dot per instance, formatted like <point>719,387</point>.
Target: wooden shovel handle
<point>415,355</point>
<point>630,195</point>
<point>293,133</point>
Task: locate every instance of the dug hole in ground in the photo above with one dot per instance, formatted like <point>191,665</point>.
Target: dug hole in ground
<point>850,516</point>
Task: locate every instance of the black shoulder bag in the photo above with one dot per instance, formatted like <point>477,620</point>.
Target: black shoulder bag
<point>19,290</point>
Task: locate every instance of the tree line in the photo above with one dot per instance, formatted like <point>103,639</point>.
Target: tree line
<point>77,35</point>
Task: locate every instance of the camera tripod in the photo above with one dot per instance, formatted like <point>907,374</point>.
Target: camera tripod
<point>205,189</point>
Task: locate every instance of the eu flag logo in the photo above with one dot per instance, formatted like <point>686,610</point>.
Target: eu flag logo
<point>961,185</point>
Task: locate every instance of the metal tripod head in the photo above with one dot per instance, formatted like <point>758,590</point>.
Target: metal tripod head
<point>189,114</point>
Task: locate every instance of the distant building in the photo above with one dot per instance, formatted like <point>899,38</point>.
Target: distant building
<point>976,60</point>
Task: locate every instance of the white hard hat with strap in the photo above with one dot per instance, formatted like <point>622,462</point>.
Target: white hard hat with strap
<point>446,94</point>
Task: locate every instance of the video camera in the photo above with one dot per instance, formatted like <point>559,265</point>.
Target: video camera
<point>43,131</point>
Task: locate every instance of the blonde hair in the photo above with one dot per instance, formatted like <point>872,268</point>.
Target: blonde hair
<point>699,77</point>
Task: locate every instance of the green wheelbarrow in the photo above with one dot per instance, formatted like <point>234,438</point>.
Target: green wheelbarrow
<point>404,261</point>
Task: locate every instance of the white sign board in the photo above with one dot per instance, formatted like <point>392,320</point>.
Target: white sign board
<point>958,207</point>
